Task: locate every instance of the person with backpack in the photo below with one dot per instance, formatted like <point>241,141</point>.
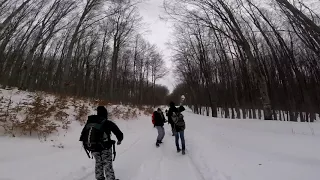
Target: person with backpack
<point>179,127</point>
<point>159,121</point>
<point>96,139</point>
<point>172,108</point>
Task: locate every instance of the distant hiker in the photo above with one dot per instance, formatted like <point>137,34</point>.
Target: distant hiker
<point>96,138</point>
<point>159,121</point>
<point>172,108</point>
<point>179,126</point>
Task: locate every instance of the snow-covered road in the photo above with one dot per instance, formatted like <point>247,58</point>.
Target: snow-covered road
<point>217,149</point>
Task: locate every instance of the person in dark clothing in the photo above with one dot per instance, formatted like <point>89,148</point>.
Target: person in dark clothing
<point>159,121</point>
<point>172,108</point>
<point>179,126</point>
<point>103,154</point>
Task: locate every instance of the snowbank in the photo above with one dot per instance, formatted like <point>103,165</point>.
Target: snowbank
<point>41,115</point>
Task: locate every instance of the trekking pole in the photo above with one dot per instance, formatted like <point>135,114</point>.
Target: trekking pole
<point>114,150</point>
<point>87,153</point>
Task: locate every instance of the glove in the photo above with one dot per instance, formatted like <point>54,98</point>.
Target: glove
<point>119,142</point>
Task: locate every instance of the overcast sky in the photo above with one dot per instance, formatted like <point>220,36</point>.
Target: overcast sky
<point>159,34</point>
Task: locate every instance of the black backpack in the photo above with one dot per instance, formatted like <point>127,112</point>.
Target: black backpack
<point>95,139</point>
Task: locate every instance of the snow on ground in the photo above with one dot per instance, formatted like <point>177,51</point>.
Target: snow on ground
<point>217,149</point>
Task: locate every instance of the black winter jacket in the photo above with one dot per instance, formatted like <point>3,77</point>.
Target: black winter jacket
<point>108,127</point>
<point>159,119</point>
<point>170,112</point>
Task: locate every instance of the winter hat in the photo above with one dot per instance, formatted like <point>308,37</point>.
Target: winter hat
<point>171,103</point>
<point>102,111</point>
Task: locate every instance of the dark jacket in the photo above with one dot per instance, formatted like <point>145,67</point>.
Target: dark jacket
<point>108,127</point>
<point>170,112</point>
<point>159,118</point>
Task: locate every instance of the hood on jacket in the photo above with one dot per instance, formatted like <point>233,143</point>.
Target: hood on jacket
<point>171,104</point>
<point>102,111</point>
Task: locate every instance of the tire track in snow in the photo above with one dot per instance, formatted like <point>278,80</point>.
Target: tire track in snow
<point>152,164</point>
<point>214,173</point>
<point>144,160</point>
<point>173,165</point>
<point>196,167</point>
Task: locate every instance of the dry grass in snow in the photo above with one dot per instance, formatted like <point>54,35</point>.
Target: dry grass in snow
<point>40,114</point>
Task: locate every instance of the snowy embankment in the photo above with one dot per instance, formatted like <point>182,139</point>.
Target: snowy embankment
<point>41,114</point>
<point>217,149</point>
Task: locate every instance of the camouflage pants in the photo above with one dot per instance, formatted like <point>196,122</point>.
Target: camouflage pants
<point>104,169</point>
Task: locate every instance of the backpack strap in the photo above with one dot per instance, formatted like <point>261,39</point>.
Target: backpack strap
<point>103,121</point>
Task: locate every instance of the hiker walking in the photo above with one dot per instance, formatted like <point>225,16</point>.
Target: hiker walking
<point>172,108</point>
<point>179,127</point>
<point>96,138</point>
<point>159,121</point>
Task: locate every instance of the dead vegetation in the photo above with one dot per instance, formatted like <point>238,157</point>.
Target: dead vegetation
<point>146,110</point>
<point>132,112</point>
<point>8,115</point>
<point>37,119</point>
<point>61,105</point>
<point>82,113</point>
<point>40,114</point>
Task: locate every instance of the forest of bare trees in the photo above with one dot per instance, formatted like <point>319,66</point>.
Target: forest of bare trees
<point>248,55</point>
<point>89,48</point>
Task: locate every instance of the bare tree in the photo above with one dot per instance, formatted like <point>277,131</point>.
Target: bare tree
<point>157,70</point>
<point>125,21</point>
<point>250,57</point>
<point>47,47</point>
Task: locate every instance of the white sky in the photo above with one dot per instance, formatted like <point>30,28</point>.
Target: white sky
<point>159,34</point>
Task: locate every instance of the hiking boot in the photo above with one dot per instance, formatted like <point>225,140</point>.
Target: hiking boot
<point>183,151</point>
<point>157,144</point>
<point>178,150</point>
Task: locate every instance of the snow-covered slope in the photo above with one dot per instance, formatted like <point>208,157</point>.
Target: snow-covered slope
<point>217,149</point>
<point>47,115</point>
